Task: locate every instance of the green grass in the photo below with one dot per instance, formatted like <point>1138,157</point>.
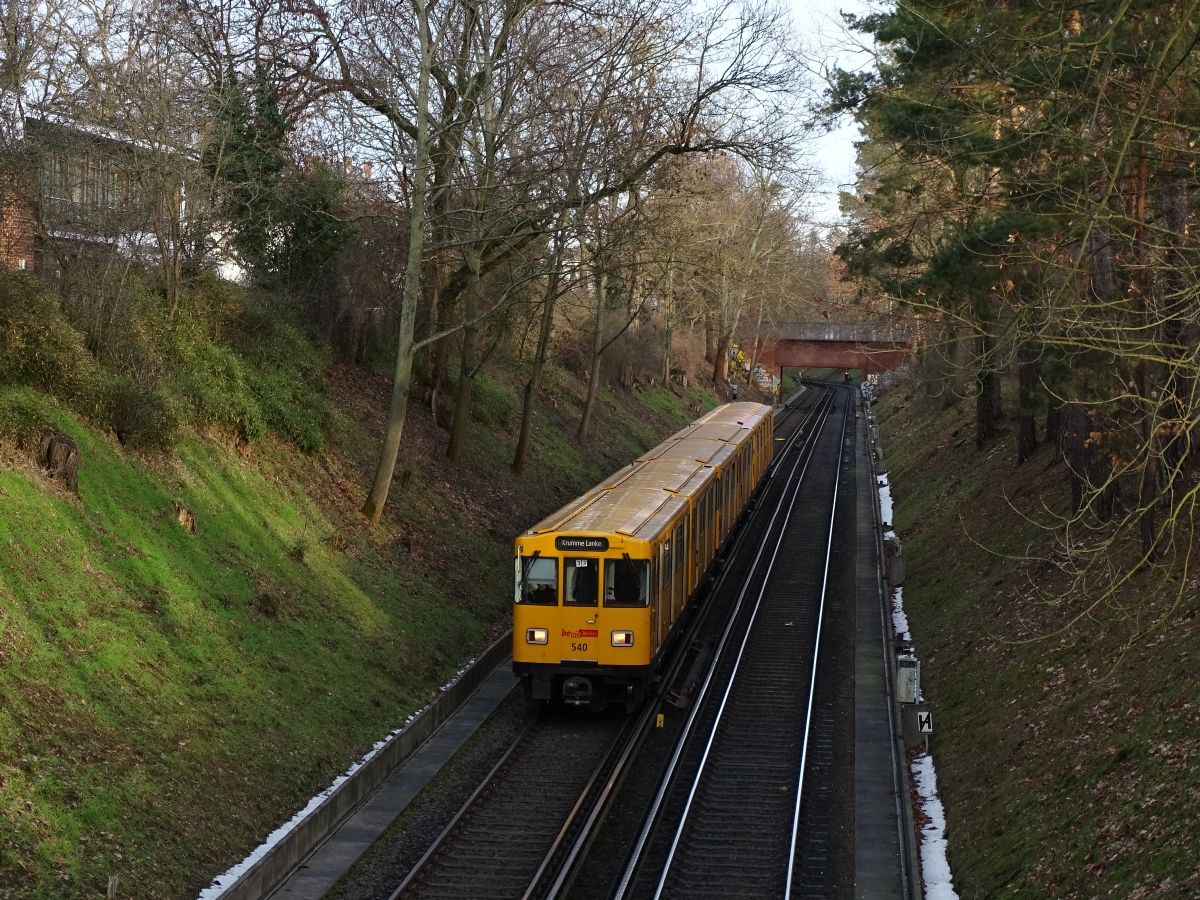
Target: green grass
<point>168,700</point>
<point>163,655</point>
<point>673,408</point>
<point>1067,759</point>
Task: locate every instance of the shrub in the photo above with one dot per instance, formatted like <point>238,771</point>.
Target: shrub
<point>117,353</point>
<point>38,346</point>
<point>212,382</point>
<point>283,368</point>
<point>218,303</point>
<point>119,314</point>
<point>22,417</point>
<point>141,412</point>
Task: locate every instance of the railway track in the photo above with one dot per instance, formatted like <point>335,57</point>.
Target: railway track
<point>499,844</point>
<point>527,830</point>
<point>726,819</point>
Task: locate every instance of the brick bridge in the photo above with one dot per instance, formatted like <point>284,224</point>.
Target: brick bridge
<point>870,347</point>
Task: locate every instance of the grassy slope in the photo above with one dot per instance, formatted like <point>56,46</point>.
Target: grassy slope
<point>1068,768</point>
<point>165,700</point>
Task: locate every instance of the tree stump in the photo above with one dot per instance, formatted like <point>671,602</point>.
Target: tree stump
<point>186,518</point>
<point>59,454</point>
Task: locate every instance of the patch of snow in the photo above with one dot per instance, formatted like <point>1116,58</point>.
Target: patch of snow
<point>885,500</point>
<point>899,619</point>
<point>222,882</point>
<point>935,868</point>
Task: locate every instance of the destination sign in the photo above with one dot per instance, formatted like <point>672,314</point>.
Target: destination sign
<point>590,544</point>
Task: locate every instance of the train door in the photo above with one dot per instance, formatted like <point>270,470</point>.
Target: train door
<point>655,599</point>
<point>668,584</point>
<point>727,510</point>
<point>709,528</point>
<point>580,614</point>
<point>693,578</point>
<point>741,481</point>
<point>679,596</point>
<point>717,513</point>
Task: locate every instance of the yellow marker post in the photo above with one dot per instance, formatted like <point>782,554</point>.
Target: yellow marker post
<point>661,719</point>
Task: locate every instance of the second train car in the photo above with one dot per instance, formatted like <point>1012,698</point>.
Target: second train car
<point>601,583</point>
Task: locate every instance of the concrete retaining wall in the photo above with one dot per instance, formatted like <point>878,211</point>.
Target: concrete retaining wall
<point>297,844</point>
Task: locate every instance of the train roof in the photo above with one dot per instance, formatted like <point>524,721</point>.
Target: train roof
<point>699,449</point>
<point>628,511</point>
<point>668,473</point>
<point>639,499</point>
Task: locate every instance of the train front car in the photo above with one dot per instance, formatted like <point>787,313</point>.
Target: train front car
<point>582,616</point>
<point>601,583</point>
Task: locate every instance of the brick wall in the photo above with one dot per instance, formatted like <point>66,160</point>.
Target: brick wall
<point>16,232</point>
<point>874,357</point>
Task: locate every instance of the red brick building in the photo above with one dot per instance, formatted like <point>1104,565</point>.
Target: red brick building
<point>16,230</point>
<point>78,191</point>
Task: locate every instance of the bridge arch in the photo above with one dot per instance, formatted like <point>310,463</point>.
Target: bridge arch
<point>872,347</point>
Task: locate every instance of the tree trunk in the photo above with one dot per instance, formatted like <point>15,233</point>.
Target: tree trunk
<point>58,453</point>
<point>668,325</point>
<point>987,397</point>
<point>1027,380</point>
<point>589,406</point>
<point>467,369</point>
<point>535,377</point>
<point>377,496</point>
<point>1148,493</point>
<point>710,338</point>
<point>1054,425</point>
<point>758,347</point>
<point>721,361</point>
<point>1180,381</point>
<point>1077,452</point>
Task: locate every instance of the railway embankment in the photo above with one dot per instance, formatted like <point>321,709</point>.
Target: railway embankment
<point>1067,735</point>
<point>168,697</point>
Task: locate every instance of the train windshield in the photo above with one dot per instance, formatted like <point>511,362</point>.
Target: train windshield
<point>539,581</point>
<point>581,581</point>
<point>626,582</point>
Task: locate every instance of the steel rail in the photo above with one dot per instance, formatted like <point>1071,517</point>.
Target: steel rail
<point>630,746</point>
<point>803,456</point>
<point>627,740</point>
<point>733,677</point>
<point>623,740</point>
<point>642,728</point>
<point>463,810</point>
<point>812,681</point>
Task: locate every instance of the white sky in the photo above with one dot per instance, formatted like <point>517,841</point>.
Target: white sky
<point>826,43</point>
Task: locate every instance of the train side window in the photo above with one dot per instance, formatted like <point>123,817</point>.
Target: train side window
<point>581,581</point>
<point>539,583</point>
<point>626,582</point>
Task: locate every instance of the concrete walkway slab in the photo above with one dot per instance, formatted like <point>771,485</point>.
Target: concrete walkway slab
<point>330,861</point>
<point>879,868</point>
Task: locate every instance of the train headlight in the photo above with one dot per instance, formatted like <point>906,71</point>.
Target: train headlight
<point>537,635</point>
<point>622,638</point>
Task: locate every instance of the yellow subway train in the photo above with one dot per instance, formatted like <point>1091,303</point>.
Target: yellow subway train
<point>601,583</point>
